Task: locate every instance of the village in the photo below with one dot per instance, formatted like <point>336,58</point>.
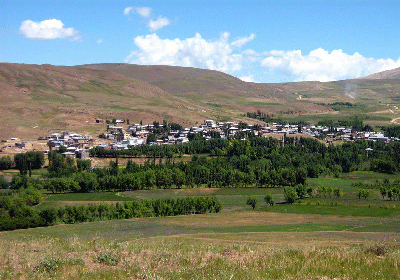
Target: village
<point>120,135</point>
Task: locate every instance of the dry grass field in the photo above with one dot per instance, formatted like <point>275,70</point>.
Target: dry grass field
<point>182,248</point>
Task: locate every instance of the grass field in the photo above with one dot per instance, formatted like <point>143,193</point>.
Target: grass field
<point>316,238</point>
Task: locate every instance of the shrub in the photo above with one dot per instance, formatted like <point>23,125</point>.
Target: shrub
<point>252,202</point>
<point>362,193</point>
<point>338,192</point>
<point>378,250</point>
<point>48,265</point>
<point>269,200</point>
<point>290,195</point>
<point>107,258</point>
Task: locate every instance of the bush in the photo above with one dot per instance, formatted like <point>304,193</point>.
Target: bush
<point>252,202</point>
<point>338,192</point>
<point>49,265</point>
<point>362,193</point>
<point>378,250</point>
<point>290,195</point>
<point>107,258</point>
<point>268,199</point>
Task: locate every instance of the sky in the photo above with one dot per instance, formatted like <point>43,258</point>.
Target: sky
<point>267,41</point>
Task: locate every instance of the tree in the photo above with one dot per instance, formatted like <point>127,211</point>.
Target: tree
<point>87,181</point>
<point>310,191</point>
<point>151,138</point>
<point>252,201</point>
<point>269,200</point>
<point>363,194</point>
<point>290,195</point>
<point>59,165</point>
<point>3,183</point>
<point>383,191</point>
<point>5,163</point>
<point>338,192</point>
<point>84,164</point>
<point>301,190</point>
<point>25,162</point>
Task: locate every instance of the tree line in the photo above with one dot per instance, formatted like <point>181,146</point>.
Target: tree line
<point>258,162</point>
<point>16,213</point>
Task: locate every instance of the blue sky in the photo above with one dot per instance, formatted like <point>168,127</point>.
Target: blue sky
<point>261,41</point>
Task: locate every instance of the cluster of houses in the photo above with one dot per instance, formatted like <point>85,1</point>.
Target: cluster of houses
<point>345,134</point>
<point>76,145</point>
<point>137,134</point>
<point>121,136</point>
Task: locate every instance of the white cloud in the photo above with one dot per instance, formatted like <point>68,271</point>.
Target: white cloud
<point>48,30</point>
<point>244,40</point>
<point>189,52</point>
<point>159,23</point>
<point>127,10</point>
<point>249,78</point>
<point>100,41</point>
<point>321,65</point>
<point>142,11</point>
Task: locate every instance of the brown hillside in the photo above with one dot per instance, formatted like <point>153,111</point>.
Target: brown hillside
<point>39,99</point>
<point>388,74</point>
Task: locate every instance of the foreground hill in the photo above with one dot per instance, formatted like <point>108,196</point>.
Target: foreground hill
<point>38,99</point>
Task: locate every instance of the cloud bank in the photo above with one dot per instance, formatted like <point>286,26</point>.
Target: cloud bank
<point>322,65</point>
<point>190,52</point>
<point>49,29</point>
<point>227,56</point>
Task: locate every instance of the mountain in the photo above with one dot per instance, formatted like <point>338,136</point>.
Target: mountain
<point>37,100</point>
<point>384,75</point>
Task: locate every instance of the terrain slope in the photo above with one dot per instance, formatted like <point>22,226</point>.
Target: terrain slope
<point>39,99</point>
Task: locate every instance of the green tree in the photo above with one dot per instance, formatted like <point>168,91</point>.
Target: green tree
<point>301,190</point>
<point>338,192</point>
<point>3,183</point>
<point>25,162</point>
<point>362,193</point>
<point>269,200</point>
<point>151,138</point>
<point>310,191</point>
<point>83,164</point>
<point>5,163</point>
<point>252,201</point>
<point>290,194</point>
<point>383,191</point>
